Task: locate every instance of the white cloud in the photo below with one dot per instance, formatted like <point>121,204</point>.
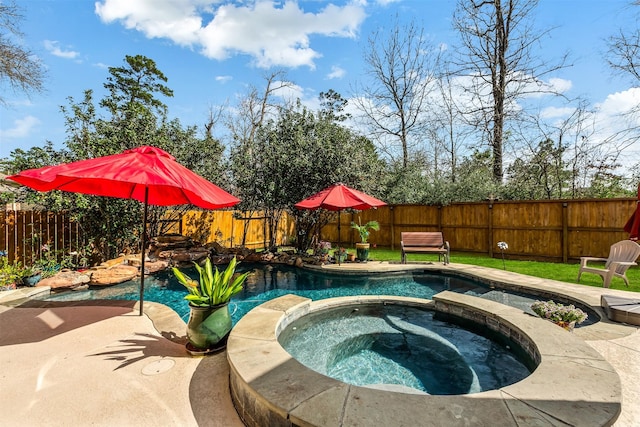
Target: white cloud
<point>386,2</point>
<point>287,91</point>
<point>556,112</point>
<point>274,34</point>
<point>336,73</point>
<point>223,79</point>
<point>53,47</point>
<point>613,126</point>
<point>619,102</point>
<point>560,85</point>
<point>21,128</point>
<point>176,20</point>
<point>541,88</point>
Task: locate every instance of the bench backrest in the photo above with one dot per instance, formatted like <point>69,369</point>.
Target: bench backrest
<point>422,238</point>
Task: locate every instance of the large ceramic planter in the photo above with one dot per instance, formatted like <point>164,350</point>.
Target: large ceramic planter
<point>208,327</point>
<point>362,251</point>
<point>32,280</point>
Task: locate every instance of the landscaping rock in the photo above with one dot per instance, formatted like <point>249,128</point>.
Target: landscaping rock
<point>177,250</point>
<point>113,275</point>
<point>172,238</point>
<point>216,248</point>
<point>223,259</point>
<point>65,279</point>
<point>151,267</point>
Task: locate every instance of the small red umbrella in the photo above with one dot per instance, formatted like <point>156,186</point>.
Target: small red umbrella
<point>633,224</point>
<point>338,197</point>
<point>147,174</point>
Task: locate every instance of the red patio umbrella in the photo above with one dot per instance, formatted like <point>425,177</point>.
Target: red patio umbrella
<point>633,224</point>
<point>147,174</point>
<point>338,197</point>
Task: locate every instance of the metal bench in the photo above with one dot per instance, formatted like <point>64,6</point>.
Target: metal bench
<point>424,242</point>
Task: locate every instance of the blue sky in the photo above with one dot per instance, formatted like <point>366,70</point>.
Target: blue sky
<point>212,50</point>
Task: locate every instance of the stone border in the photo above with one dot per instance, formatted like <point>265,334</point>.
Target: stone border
<point>572,385</point>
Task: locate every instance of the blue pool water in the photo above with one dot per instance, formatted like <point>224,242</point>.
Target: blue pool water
<point>376,344</point>
<point>271,281</point>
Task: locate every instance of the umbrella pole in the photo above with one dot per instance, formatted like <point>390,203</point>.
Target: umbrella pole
<point>144,245</point>
<point>338,238</point>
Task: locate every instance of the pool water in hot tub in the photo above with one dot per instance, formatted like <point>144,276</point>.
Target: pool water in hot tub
<point>405,346</point>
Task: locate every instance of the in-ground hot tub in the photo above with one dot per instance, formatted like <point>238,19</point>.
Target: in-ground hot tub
<point>396,346</point>
<point>571,384</point>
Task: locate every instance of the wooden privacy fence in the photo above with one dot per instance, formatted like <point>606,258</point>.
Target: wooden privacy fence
<point>550,230</point>
<point>553,230</point>
<point>228,228</point>
<point>24,234</point>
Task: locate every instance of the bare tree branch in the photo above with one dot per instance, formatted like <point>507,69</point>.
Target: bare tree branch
<point>401,66</point>
<point>20,69</point>
<point>497,55</point>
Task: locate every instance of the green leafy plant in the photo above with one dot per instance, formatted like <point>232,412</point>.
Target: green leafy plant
<point>555,312</point>
<point>214,287</point>
<point>10,273</point>
<point>364,230</point>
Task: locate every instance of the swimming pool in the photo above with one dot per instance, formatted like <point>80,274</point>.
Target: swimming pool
<point>271,281</point>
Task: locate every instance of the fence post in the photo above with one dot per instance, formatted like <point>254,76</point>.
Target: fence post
<point>565,232</point>
<point>490,226</point>
<point>393,229</point>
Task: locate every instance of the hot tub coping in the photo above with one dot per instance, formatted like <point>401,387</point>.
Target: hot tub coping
<point>572,384</point>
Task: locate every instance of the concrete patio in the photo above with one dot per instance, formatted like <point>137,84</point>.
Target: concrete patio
<point>100,363</point>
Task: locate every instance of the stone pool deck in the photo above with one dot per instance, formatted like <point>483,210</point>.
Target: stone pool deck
<point>99,363</point>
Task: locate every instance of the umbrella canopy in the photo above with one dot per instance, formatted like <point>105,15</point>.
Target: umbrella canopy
<point>338,197</point>
<point>147,174</point>
<point>633,224</point>
<point>127,176</point>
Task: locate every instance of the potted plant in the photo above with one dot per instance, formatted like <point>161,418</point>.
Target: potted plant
<point>362,248</point>
<point>209,320</point>
<point>322,249</point>
<point>565,316</point>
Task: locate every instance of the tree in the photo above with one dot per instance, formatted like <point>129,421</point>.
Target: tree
<point>134,88</point>
<point>297,153</point>
<point>543,176</point>
<point>402,67</point>
<point>498,58</point>
<point>253,111</point>
<point>19,68</point>
<point>624,59</point>
<point>448,130</point>
<point>624,52</point>
<point>136,118</point>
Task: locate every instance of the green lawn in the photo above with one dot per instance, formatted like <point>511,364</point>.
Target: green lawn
<point>547,270</point>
